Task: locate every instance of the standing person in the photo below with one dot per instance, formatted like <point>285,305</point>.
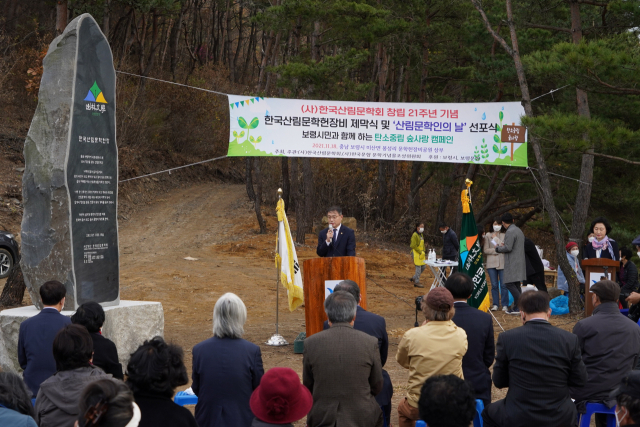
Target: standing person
<point>435,348</point>
<point>57,400</point>
<point>573,254</point>
<point>634,298</point>
<point>342,369</point>
<point>16,409</point>
<point>417,250</point>
<point>338,239</point>
<point>153,373</point>
<point>495,266</point>
<point>602,246</point>
<point>535,268</point>
<point>538,362</point>
<point>610,344</point>
<point>280,399</point>
<point>628,276</point>
<point>36,336</point>
<point>450,243</point>
<point>376,326</point>
<point>479,329</point>
<point>515,265</point>
<point>105,354</point>
<point>226,368</point>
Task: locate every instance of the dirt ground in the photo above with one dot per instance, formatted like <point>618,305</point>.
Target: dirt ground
<point>215,224</point>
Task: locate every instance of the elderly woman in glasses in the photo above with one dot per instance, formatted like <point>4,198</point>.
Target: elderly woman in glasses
<point>226,368</point>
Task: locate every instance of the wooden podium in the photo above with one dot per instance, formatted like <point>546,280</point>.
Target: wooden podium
<point>597,267</point>
<point>316,272</point>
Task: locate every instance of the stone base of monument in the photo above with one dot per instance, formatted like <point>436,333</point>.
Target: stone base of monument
<point>128,325</point>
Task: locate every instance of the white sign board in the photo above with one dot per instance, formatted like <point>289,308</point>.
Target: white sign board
<point>329,286</point>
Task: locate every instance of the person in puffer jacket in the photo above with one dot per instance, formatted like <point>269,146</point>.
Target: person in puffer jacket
<point>58,397</point>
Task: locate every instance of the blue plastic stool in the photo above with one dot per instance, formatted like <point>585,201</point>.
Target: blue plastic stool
<point>421,423</point>
<point>624,311</point>
<point>597,408</point>
<point>33,401</point>
<point>477,420</point>
<point>183,399</point>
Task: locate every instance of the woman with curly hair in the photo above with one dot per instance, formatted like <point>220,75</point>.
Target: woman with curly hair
<point>153,373</point>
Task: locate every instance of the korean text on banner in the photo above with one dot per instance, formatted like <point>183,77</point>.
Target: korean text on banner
<point>287,260</point>
<point>456,133</point>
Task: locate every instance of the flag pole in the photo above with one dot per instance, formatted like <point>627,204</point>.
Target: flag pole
<point>276,339</point>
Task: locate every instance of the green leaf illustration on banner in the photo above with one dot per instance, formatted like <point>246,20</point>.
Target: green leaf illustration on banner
<point>496,138</point>
<point>254,123</point>
<point>501,115</point>
<point>504,150</point>
<point>496,149</point>
<point>243,123</point>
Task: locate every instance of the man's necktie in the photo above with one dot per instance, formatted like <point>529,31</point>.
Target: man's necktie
<point>335,235</point>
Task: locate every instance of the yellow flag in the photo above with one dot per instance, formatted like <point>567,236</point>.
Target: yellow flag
<point>287,260</point>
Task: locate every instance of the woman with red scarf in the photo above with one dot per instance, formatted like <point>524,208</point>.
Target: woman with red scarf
<point>602,246</point>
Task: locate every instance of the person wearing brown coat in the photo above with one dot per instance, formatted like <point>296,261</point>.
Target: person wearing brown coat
<point>342,370</point>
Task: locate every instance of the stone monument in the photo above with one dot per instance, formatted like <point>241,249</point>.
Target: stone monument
<point>70,182</point>
<point>70,195</point>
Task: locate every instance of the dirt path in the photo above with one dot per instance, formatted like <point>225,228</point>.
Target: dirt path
<point>215,224</point>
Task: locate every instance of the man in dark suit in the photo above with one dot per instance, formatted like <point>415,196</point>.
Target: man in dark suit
<point>35,340</point>
<point>479,328</point>
<point>538,362</point>
<point>338,240</point>
<point>373,325</point>
<point>342,369</point>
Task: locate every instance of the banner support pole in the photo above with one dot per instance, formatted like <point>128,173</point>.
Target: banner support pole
<point>277,340</point>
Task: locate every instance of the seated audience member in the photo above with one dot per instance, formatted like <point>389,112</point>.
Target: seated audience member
<point>573,256</point>
<point>57,400</point>
<point>435,348</point>
<point>341,367</point>
<point>627,397</point>
<point>226,368</point>
<point>634,298</point>
<point>538,362</point>
<point>280,399</point>
<point>16,409</point>
<point>610,344</point>
<point>447,401</point>
<point>108,403</point>
<point>153,373</point>
<point>35,339</point>
<point>479,328</point>
<point>373,325</point>
<point>105,355</point>
<point>628,276</point>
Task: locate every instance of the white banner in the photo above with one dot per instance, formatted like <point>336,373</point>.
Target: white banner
<point>456,133</point>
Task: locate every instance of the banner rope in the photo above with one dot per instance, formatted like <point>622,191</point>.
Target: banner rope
<point>172,169</point>
<point>173,83</point>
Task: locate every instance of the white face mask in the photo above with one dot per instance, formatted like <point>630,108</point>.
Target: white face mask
<point>497,228</point>
<point>443,231</point>
<point>575,252</point>
<point>420,230</point>
<point>591,239</point>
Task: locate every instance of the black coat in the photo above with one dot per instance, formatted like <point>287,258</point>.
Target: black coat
<point>481,347</point>
<point>534,263</point>
<point>610,343</point>
<point>105,356</point>
<point>630,276</point>
<point>538,362</point>
<point>589,252</point>
<point>376,326</point>
<point>450,244</point>
<point>162,411</point>
<point>345,246</point>
<point>35,346</point>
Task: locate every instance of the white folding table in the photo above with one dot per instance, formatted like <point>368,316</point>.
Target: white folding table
<point>439,270</point>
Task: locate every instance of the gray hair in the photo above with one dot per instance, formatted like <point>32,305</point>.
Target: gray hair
<point>349,286</point>
<point>229,316</point>
<point>340,307</point>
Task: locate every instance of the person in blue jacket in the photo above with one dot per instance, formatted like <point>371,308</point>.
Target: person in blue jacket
<point>16,409</point>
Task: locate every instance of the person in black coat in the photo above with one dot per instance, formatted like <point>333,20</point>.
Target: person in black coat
<point>153,373</point>
<point>105,355</point>
<point>479,328</point>
<point>35,339</point>
<point>226,368</point>
<point>602,246</point>
<point>450,243</point>
<point>539,363</point>
<point>376,326</point>
<point>535,268</point>
<point>628,276</point>
<point>339,240</point>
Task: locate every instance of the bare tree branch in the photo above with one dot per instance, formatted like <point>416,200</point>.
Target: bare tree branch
<point>487,24</point>
<point>550,28</point>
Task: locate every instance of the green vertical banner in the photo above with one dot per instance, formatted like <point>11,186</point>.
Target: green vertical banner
<point>471,254</point>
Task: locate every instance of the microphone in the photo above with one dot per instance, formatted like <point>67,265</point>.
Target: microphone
<point>330,228</point>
